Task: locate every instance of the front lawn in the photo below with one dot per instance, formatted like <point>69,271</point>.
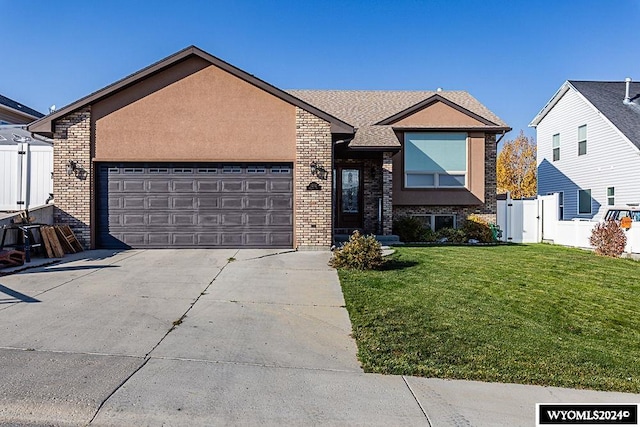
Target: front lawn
<point>536,314</point>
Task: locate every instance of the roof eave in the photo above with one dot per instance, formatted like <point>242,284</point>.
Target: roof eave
<point>375,148</point>
<point>551,103</point>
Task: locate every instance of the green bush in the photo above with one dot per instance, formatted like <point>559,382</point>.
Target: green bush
<point>477,228</point>
<point>412,229</point>
<point>452,235</point>
<point>608,238</point>
<point>359,253</point>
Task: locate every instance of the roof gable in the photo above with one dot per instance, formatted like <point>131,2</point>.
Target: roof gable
<point>606,98</point>
<point>437,111</point>
<point>45,124</point>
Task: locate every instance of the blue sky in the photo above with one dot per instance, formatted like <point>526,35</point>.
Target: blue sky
<point>511,55</point>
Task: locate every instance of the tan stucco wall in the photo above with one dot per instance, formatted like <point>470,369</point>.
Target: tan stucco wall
<point>474,194</point>
<point>438,114</point>
<point>193,112</point>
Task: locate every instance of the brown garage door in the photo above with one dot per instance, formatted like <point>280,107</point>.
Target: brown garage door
<point>161,205</point>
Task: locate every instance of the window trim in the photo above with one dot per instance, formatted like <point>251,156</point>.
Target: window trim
<point>582,141</point>
<point>590,202</point>
<point>611,198</point>
<point>436,174</point>
<point>554,148</point>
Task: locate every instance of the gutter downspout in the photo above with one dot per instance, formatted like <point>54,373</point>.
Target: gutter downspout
<point>504,132</point>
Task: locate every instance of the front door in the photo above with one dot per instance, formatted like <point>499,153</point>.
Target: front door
<point>349,196</point>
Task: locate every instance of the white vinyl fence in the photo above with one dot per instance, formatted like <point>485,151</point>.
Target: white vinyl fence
<point>536,220</point>
<point>25,177</point>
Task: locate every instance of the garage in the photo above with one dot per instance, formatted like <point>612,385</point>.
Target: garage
<point>194,205</point>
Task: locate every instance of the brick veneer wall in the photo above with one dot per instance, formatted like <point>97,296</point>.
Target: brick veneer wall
<point>387,193</point>
<point>72,141</point>
<point>313,208</point>
<point>486,211</point>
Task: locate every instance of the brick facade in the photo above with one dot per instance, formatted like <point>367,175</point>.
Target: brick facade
<point>72,193</point>
<point>387,193</point>
<point>312,208</point>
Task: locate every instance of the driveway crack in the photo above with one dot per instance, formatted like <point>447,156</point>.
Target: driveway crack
<point>147,356</point>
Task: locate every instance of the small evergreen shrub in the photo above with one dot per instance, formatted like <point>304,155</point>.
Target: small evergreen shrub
<point>412,229</point>
<point>477,228</point>
<point>608,238</point>
<point>359,253</point>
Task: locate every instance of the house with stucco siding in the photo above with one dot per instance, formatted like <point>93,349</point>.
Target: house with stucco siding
<point>194,152</point>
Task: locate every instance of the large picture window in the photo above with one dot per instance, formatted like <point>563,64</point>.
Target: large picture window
<point>435,160</point>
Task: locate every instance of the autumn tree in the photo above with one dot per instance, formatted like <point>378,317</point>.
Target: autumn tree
<point>516,167</point>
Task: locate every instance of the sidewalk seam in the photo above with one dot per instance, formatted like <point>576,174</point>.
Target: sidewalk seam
<point>417,401</point>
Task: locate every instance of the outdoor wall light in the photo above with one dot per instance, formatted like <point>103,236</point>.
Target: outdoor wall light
<point>318,170</point>
<point>74,168</point>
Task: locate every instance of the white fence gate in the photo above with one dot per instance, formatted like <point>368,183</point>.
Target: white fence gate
<point>25,177</point>
<point>537,220</point>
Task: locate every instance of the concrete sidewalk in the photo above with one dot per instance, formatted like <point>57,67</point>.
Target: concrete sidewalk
<point>215,337</point>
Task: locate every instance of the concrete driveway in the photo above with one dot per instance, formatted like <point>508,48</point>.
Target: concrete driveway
<point>214,337</point>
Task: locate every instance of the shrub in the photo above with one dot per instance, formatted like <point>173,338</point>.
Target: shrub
<point>608,238</point>
<point>477,228</point>
<point>412,229</point>
<point>452,235</point>
<point>359,253</point>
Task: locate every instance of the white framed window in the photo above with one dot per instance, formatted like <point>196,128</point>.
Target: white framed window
<point>555,144</point>
<point>582,140</point>
<point>611,196</point>
<point>435,160</point>
<point>584,202</point>
<point>437,221</point>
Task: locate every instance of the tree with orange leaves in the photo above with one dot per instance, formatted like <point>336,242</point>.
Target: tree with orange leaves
<point>516,167</point>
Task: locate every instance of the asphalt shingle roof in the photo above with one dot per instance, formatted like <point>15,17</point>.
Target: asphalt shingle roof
<point>364,108</point>
<point>607,97</point>
<point>17,106</point>
<point>367,107</point>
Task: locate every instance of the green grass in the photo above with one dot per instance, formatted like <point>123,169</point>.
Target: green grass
<point>536,314</point>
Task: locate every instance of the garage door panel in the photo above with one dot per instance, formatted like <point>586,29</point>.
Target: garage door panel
<point>255,186</point>
<point>208,186</point>
<point>184,186</point>
<point>256,202</point>
<point>232,186</point>
<point>133,186</point>
<point>194,205</point>
<point>231,202</point>
<point>208,202</point>
<point>183,202</point>
<point>158,186</point>
<point>281,185</point>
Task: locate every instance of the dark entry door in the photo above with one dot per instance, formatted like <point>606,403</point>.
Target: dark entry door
<point>349,196</point>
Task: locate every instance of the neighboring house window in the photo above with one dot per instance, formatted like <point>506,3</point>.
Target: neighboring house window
<point>437,222</point>
<point>584,202</point>
<point>582,140</point>
<point>561,205</point>
<point>611,196</point>
<point>556,147</point>
<point>435,160</point>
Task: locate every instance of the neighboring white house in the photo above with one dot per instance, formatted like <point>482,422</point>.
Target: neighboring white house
<point>588,138</point>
